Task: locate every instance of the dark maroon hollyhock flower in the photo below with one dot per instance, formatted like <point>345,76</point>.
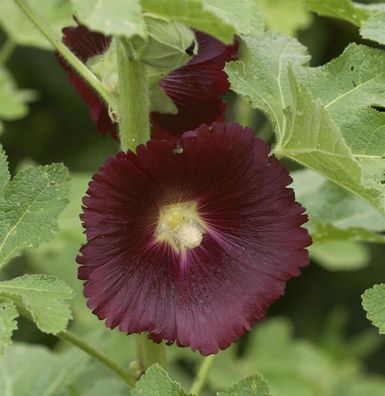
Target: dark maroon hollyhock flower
<point>191,243</point>
<point>195,88</point>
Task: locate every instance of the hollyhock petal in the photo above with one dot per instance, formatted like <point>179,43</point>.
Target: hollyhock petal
<point>195,88</point>
<point>204,296</point>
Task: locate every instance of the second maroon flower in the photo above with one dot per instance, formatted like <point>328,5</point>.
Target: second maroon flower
<point>195,88</point>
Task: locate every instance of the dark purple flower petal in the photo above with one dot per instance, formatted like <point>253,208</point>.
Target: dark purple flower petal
<point>244,244</point>
<point>195,88</point>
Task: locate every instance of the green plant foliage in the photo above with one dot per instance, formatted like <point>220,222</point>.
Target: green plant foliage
<point>41,297</point>
<point>373,301</point>
<point>331,129</point>
<point>221,19</point>
<point>334,213</point>
<point>107,386</point>
<point>343,9</point>
<point>243,15</point>
<point>5,176</point>
<point>254,385</point>
<point>370,18</point>
<point>340,255</point>
<point>285,16</point>
<point>8,314</point>
<point>14,101</point>
<point>157,382</point>
<point>30,206</point>
<point>117,17</point>
<point>23,32</point>
<point>291,367</point>
<point>28,370</point>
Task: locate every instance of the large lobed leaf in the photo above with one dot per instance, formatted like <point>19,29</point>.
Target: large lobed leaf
<point>373,301</point>
<point>29,207</point>
<point>323,117</point>
<point>41,297</point>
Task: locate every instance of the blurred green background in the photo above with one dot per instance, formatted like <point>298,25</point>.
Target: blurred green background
<point>316,340</point>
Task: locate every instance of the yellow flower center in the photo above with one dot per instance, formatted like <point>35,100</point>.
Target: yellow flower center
<point>181,226</point>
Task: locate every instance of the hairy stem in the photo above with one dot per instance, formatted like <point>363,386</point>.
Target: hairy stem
<point>134,103</point>
<point>66,53</point>
<point>201,376</point>
<point>6,50</point>
<point>149,352</point>
<point>79,343</point>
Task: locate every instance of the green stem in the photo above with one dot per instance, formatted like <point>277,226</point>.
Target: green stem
<point>6,50</point>
<point>201,376</point>
<point>66,53</point>
<point>149,352</point>
<point>74,340</point>
<point>134,102</point>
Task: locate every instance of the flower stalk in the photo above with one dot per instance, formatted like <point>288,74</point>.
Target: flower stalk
<point>149,352</point>
<point>105,360</point>
<point>202,374</point>
<point>134,102</point>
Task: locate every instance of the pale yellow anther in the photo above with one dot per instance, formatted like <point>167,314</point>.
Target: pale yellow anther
<point>181,226</point>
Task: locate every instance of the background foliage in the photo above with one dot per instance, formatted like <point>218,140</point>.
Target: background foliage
<point>317,339</point>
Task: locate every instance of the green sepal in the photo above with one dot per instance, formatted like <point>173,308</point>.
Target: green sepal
<point>169,44</point>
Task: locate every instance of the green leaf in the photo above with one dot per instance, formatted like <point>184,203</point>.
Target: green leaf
<point>290,366</point>
<point>5,176</point>
<point>340,255</point>
<point>243,15</point>
<point>298,367</point>
<point>57,12</point>
<point>254,385</point>
<point>43,298</point>
<point>108,386</point>
<point>156,382</point>
<point>370,18</point>
<point>8,314</point>
<point>263,78</point>
<point>13,100</point>
<point>373,28</point>
<point>31,204</point>
<point>322,116</point>
<point>220,18</point>
<point>342,9</point>
<point>28,370</point>
<point>334,213</point>
<point>119,17</point>
<point>373,301</point>
<point>285,16</point>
